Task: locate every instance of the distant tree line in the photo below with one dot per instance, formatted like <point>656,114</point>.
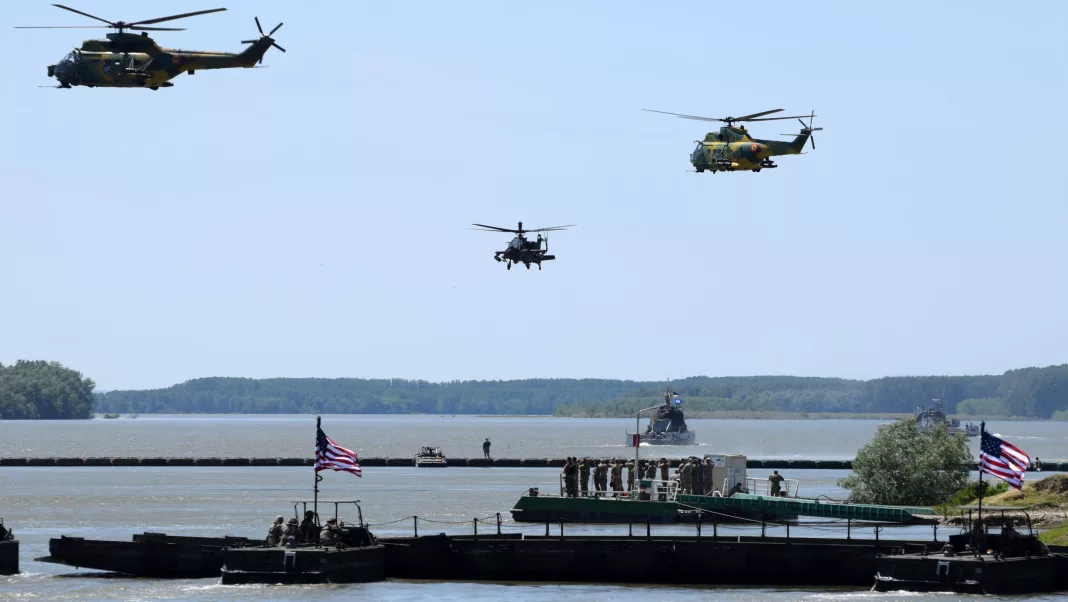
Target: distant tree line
<point>1029,392</point>
<point>44,390</point>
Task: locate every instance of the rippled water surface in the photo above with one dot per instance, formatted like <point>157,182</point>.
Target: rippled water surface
<point>462,436</point>
<point>114,503</point>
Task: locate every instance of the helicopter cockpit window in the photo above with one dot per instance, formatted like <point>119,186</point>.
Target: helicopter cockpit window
<point>69,58</point>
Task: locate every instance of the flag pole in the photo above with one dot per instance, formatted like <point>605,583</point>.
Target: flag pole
<point>982,435</point>
<point>315,503</point>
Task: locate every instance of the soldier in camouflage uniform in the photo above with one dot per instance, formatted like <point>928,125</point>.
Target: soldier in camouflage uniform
<point>630,475</point>
<point>584,476</point>
<point>274,532</point>
<point>617,475</point>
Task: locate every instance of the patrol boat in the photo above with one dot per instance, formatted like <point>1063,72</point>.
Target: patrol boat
<point>667,426</point>
<point>430,456</point>
<point>1005,563</point>
<point>355,556</point>
<point>930,418</point>
<point>9,551</point>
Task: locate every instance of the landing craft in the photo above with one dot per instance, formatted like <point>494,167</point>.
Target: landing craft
<point>733,149</point>
<point>129,60</point>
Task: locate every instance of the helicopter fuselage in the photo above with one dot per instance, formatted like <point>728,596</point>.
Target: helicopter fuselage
<point>732,149</point>
<point>524,251</point>
<point>140,63</point>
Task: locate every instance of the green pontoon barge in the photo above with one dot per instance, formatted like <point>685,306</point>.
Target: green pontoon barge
<point>658,501</point>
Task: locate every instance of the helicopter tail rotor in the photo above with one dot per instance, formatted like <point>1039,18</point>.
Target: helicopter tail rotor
<point>808,129</point>
<point>265,40</point>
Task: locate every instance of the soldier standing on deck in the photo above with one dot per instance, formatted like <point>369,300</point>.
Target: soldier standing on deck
<point>664,465</point>
<point>776,483</point>
<point>617,475</point>
<point>485,448</point>
<point>600,475</point>
<point>709,485</point>
<point>571,477</point>
<point>630,474</point>
<point>684,476</point>
<point>584,476</point>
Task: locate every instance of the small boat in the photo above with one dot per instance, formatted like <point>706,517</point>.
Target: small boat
<point>9,551</point>
<point>1003,564</point>
<point>354,557</point>
<point>147,555</point>
<point>429,457</point>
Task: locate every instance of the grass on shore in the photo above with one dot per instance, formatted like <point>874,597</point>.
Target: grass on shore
<point>1057,536</point>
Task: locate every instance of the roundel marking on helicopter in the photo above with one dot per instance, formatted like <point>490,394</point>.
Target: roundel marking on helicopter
<point>754,147</point>
<point>176,58</point>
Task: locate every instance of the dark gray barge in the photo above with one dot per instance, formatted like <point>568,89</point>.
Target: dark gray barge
<point>674,560</point>
<point>147,555</point>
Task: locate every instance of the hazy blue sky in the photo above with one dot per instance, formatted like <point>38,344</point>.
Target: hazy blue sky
<point>309,219</point>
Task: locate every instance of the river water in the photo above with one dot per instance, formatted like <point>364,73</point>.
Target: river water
<point>114,503</point>
<point>462,436</point>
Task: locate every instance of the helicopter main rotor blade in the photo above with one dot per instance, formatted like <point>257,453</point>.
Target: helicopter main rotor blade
<point>495,228</point>
<point>160,28</point>
<point>278,47</point>
<point>258,25</point>
<point>551,228</point>
<point>62,27</point>
<point>136,24</point>
<point>761,114</point>
<point>73,10</point>
<point>276,27</point>
<point>776,118</point>
<point>682,116</point>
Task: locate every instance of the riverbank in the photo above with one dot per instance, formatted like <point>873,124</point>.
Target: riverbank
<point>1043,502</point>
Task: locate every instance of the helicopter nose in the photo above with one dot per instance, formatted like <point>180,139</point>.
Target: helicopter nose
<point>51,71</point>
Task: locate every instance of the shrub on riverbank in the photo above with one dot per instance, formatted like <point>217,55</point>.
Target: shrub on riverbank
<point>902,466</point>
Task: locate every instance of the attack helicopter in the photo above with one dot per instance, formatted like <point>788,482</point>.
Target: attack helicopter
<point>130,60</point>
<point>733,149</point>
<point>521,250</point>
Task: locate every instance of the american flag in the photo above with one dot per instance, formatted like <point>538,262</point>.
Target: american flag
<point>330,455</point>
<point>1003,460</point>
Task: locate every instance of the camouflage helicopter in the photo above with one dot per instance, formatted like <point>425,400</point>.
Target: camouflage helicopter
<point>732,149</point>
<point>129,60</point>
<point>521,250</point>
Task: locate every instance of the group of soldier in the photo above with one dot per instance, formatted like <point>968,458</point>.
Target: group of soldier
<point>290,535</point>
<point>693,476</point>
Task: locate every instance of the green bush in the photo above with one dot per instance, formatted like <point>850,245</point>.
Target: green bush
<point>902,466</point>
<point>1061,415</point>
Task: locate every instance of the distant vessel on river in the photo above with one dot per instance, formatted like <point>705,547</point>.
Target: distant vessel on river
<point>667,426</point>
<point>930,418</point>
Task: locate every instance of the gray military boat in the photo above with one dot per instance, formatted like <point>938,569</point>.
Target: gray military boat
<point>930,418</point>
<point>667,425</point>
<point>353,555</point>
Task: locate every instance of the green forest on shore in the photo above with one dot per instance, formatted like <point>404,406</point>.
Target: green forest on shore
<point>44,390</point>
<point>47,390</point>
<point>1029,392</point>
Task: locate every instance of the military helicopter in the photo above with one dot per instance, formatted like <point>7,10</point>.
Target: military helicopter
<point>129,60</point>
<point>521,250</point>
<point>732,149</point>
